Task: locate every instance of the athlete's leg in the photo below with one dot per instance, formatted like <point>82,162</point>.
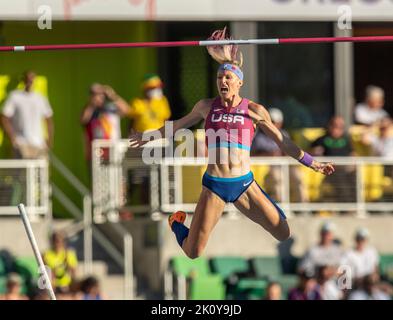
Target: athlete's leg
<point>207,213</point>
<point>257,207</point>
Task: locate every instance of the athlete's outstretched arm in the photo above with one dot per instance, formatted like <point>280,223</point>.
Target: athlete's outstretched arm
<point>261,116</point>
<point>196,115</point>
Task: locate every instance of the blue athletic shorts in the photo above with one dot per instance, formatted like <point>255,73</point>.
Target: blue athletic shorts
<point>230,189</point>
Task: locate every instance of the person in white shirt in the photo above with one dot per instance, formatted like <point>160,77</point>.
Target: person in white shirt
<point>363,259</point>
<point>326,253</point>
<point>328,284</point>
<point>371,111</point>
<point>22,118</point>
<point>369,290</point>
<point>382,144</point>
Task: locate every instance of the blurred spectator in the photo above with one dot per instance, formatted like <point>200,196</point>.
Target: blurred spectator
<point>62,262</point>
<point>101,115</point>
<point>263,145</point>
<point>39,294</point>
<point>90,289</point>
<point>307,288</point>
<point>326,253</point>
<point>273,291</point>
<point>22,117</point>
<point>327,283</point>
<point>371,111</point>
<point>369,290</point>
<point>363,259</point>
<point>13,287</point>
<point>147,113</point>
<point>382,144</point>
<point>152,110</point>
<point>8,260</point>
<point>337,143</point>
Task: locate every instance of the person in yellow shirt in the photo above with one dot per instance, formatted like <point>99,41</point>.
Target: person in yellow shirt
<point>62,263</point>
<point>152,110</point>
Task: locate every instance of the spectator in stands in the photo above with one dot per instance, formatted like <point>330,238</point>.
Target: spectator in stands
<point>371,111</point>
<point>382,144</point>
<point>273,291</point>
<point>337,143</point>
<point>369,290</point>
<point>22,117</point>
<point>62,261</point>
<point>90,289</point>
<point>152,110</point>
<point>363,259</point>
<point>326,253</point>
<point>101,115</point>
<point>327,283</point>
<point>262,146</point>
<point>13,288</point>
<point>148,112</point>
<point>39,294</point>
<point>307,288</point>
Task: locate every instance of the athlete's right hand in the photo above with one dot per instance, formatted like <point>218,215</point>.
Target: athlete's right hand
<point>135,139</point>
<point>325,168</point>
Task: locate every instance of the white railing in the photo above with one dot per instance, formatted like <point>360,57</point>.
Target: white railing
<point>123,259</point>
<point>171,174</point>
<point>85,214</point>
<point>363,185</point>
<point>24,181</point>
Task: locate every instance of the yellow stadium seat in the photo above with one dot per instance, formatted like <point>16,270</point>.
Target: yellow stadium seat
<point>304,137</point>
<point>192,182</point>
<point>260,172</point>
<point>40,85</point>
<point>313,182</point>
<point>388,185</point>
<point>4,80</point>
<point>356,133</point>
<point>373,176</point>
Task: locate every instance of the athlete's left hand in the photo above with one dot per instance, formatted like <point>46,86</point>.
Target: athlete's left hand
<point>325,168</point>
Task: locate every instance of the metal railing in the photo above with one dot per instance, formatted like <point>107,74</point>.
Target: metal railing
<point>85,215</point>
<point>24,181</point>
<point>360,184</point>
<point>351,183</point>
<point>125,259</point>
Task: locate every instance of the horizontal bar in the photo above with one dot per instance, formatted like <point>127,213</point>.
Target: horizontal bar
<point>23,164</point>
<point>100,46</point>
<point>336,39</point>
<point>157,44</point>
<point>305,206</point>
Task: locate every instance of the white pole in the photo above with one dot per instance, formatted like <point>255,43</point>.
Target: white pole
<point>30,234</point>
<point>248,41</point>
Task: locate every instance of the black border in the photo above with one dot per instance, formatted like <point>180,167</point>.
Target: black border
<point>142,309</point>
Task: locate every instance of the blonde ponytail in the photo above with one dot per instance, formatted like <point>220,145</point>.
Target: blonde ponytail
<point>228,53</point>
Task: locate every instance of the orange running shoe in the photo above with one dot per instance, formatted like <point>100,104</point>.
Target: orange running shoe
<point>179,216</point>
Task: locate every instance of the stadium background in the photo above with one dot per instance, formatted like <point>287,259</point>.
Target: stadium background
<point>325,79</point>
